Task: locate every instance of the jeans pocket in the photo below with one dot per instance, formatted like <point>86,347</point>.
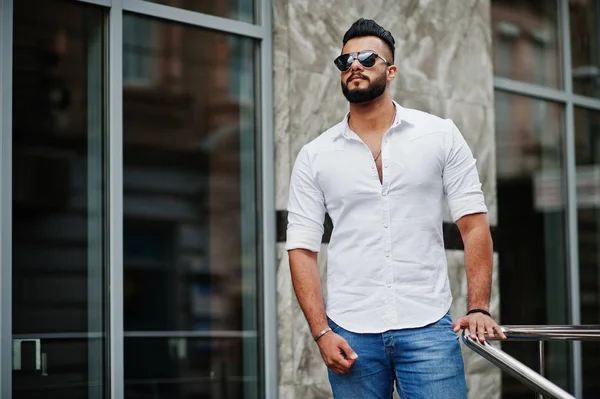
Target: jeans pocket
<point>444,322</point>
<point>334,327</point>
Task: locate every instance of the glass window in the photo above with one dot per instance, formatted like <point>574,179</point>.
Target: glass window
<point>190,229</point>
<point>587,139</point>
<point>585,47</point>
<point>242,10</point>
<point>58,236</point>
<point>525,39</point>
<point>138,49</point>
<point>531,228</point>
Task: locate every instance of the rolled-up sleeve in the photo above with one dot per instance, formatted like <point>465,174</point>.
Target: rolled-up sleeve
<point>461,180</point>
<point>306,207</point>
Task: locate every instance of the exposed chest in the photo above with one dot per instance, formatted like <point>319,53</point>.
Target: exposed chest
<point>404,166</point>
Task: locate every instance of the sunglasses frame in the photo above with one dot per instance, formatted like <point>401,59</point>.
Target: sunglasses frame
<point>355,56</point>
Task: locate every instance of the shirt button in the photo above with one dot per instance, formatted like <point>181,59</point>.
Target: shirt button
<point>385,225</point>
<point>386,165</point>
<point>389,285</point>
<point>372,166</point>
<point>387,254</point>
<point>384,193</point>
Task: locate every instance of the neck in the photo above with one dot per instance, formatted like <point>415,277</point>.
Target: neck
<point>373,117</point>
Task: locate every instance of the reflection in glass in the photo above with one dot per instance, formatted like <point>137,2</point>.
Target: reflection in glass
<point>531,228</point>
<point>525,39</point>
<point>585,47</point>
<point>587,141</point>
<point>58,200</point>
<point>190,232</point>
<point>242,10</point>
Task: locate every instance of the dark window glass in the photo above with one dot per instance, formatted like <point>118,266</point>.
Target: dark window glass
<point>585,47</point>
<point>531,240</point>
<point>242,10</point>
<point>525,41</point>
<point>58,241</point>
<point>587,141</point>
<point>190,231</point>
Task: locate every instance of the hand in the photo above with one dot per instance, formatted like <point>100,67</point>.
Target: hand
<point>333,348</point>
<point>478,324</point>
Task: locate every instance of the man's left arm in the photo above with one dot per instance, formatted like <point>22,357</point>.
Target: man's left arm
<point>475,232</point>
<point>467,206</point>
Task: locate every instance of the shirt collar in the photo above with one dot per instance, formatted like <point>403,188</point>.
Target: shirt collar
<point>347,133</point>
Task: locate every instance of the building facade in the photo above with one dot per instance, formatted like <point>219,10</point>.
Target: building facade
<point>146,149</point>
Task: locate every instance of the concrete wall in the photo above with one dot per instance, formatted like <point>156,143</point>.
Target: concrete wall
<point>443,54</point>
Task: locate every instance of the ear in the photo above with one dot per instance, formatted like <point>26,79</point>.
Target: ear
<point>391,72</point>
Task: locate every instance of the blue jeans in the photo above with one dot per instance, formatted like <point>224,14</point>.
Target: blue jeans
<point>424,362</point>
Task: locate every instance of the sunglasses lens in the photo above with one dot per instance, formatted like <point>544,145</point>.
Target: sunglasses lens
<point>343,62</point>
<point>367,59</point>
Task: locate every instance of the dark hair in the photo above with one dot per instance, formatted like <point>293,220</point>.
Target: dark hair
<point>368,27</point>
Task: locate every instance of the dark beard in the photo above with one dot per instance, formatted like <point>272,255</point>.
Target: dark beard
<point>375,89</point>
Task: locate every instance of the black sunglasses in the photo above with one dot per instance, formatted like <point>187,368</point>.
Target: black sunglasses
<point>366,58</point>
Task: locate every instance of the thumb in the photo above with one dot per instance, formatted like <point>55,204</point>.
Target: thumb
<point>350,354</point>
<point>458,324</point>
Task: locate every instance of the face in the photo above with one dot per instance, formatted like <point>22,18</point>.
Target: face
<point>362,84</point>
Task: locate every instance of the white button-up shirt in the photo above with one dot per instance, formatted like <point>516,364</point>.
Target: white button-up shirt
<point>386,264</point>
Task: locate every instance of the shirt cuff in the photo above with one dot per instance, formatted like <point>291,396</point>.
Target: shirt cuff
<point>303,238</point>
<point>467,205</point>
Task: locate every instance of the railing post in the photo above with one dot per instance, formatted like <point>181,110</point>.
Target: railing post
<point>541,362</point>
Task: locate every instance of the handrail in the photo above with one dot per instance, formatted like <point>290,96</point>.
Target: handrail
<point>532,333</point>
<point>515,368</point>
<point>551,333</point>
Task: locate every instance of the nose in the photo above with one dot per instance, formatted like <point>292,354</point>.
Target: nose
<point>356,66</point>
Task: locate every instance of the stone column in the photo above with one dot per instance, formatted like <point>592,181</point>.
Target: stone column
<point>443,55</point>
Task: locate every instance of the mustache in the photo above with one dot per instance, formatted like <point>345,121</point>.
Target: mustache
<point>358,74</point>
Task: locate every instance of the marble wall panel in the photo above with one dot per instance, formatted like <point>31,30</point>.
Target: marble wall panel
<point>442,47</point>
<point>316,104</point>
<point>283,163</point>
<point>285,317</point>
<point>281,35</point>
<point>445,67</point>
<point>483,378</point>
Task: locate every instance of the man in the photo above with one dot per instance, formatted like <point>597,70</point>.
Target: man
<point>382,175</point>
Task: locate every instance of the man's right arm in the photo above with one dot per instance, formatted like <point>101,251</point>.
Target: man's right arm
<point>306,214</point>
<point>307,286</point>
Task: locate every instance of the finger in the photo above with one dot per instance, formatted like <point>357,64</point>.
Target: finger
<point>456,325</point>
<point>500,332</point>
<point>473,328</point>
<point>343,364</point>
<point>490,330</point>
<point>350,354</point>
<point>481,331</point>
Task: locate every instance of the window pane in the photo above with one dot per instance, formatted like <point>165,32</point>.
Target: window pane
<point>58,236</point>
<point>585,47</point>
<point>190,232</point>
<point>531,228</point>
<point>242,10</point>
<point>587,133</point>
<point>525,38</point>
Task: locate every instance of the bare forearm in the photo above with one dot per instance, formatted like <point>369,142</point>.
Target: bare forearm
<point>478,266</point>
<point>307,286</point>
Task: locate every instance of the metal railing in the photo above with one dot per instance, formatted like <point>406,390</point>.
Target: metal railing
<point>529,377</point>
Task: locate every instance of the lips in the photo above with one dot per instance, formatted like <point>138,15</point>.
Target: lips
<point>354,77</point>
